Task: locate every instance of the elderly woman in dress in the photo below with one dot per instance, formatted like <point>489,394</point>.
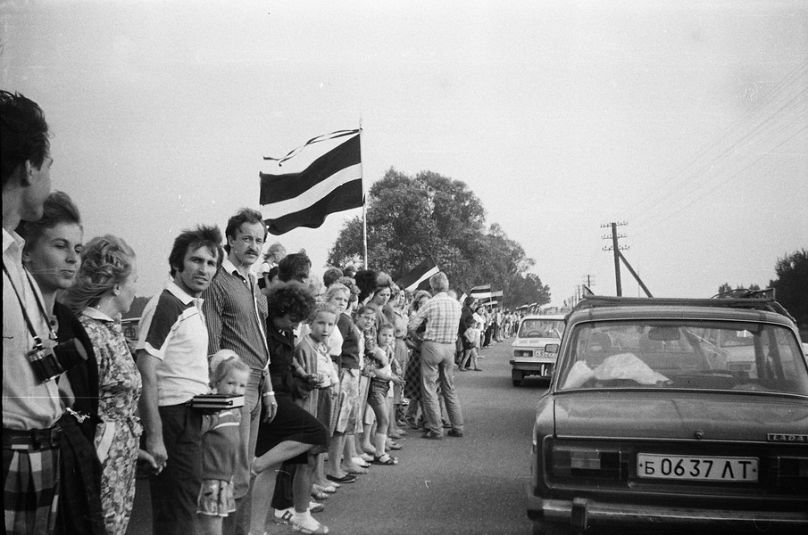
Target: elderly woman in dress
<point>103,291</point>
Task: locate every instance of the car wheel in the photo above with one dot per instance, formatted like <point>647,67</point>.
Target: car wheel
<point>517,377</point>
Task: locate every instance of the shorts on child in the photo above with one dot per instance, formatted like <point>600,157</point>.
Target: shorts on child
<point>377,396</point>
<point>216,498</point>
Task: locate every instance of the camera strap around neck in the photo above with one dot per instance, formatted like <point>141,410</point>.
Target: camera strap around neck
<point>40,305</point>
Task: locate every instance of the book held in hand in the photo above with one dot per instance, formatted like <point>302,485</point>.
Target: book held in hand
<point>217,402</point>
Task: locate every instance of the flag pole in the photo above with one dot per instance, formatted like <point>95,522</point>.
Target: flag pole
<point>364,207</point>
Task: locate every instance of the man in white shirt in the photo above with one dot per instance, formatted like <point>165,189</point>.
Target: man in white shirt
<point>172,352</point>
<point>31,404</point>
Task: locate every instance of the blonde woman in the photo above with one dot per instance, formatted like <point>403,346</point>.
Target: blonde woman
<point>104,290</point>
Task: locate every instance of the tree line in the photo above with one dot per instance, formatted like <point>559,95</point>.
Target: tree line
<point>410,218</point>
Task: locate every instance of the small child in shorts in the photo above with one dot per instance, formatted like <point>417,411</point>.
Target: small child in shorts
<point>220,442</point>
<point>379,387</point>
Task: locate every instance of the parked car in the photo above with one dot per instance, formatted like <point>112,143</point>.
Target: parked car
<point>530,357</point>
<point>673,413</point>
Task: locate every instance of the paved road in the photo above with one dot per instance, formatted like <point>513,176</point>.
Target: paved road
<point>469,485</point>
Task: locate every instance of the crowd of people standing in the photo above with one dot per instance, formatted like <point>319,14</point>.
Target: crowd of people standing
<point>331,375</point>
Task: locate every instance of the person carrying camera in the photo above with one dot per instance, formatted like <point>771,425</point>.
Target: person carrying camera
<point>31,405</point>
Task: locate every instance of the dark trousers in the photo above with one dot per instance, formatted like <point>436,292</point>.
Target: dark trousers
<point>80,485</point>
<point>175,490</point>
<point>282,496</point>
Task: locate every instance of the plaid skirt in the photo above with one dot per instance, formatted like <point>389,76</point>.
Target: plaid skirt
<point>30,487</point>
<point>412,377</point>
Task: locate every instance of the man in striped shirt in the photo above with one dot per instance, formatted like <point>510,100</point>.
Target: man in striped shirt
<point>236,312</point>
<point>442,317</point>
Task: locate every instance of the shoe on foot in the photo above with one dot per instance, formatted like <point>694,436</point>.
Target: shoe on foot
<point>284,516</point>
<point>386,459</point>
<point>478,369</point>
<point>393,446</point>
<point>365,457</point>
<point>318,494</point>
<point>455,433</point>
<point>347,478</point>
<point>305,523</point>
<point>360,461</point>
<point>328,489</point>
<point>432,435</point>
<point>316,507</point>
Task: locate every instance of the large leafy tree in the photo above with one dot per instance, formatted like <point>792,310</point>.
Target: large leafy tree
<point>429,215</point>
<point>791,285</point>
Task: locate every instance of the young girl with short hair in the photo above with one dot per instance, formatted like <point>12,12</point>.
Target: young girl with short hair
<point>220,442</point>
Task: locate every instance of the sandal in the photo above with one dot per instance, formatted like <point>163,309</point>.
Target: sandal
<point>318,495</point>
<point>356,471</point>
<point>328,489</point>
<point>308,526</point>
<point>394,446</point>
<point>385,459</point>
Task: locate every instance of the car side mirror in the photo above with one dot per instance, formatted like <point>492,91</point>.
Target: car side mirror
<point>551,348</point>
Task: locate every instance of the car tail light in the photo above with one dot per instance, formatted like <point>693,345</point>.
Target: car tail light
<point>522,352</point>
<point>791,473</point>
<point>581,461</point>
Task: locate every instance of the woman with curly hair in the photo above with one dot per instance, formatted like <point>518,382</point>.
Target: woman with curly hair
<point>293,437</point>
<point>103,291</point>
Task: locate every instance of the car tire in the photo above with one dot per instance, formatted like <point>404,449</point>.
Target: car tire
<point>517,377</point>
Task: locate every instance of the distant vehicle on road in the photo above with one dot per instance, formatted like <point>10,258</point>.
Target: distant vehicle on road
<point>673,413</point>
<point>530,356</point>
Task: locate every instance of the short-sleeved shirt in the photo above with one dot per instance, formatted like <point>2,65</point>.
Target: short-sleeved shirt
<point>28,403</point>
<point>172,329</point>
<point>221,439</point>
<point>442,316</point>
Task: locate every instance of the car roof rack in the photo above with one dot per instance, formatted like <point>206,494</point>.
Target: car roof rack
<point>755,300</point>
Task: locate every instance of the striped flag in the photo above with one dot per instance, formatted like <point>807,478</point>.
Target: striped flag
<point>418,277</point>
<point>331,183</point>
<point>481,293</point>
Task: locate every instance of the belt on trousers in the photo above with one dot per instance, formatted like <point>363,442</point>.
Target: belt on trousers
<point>32,439</point>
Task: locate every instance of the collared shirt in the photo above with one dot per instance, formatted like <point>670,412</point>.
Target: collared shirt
<point>28,403</point>
<point>172,329</point>
<point>236,313</point>
<point>442,316</point>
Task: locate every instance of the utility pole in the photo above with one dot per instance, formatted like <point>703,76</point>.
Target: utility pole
<point>616,248</point>
<point>588,282</point>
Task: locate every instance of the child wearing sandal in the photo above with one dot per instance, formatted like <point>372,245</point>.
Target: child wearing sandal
<point>381,375</point>
<point>220,442</point>
<point>312,359</point>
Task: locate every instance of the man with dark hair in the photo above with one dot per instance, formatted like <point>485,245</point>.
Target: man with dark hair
<point>172,352</point>
<point>295,266</point>
<point>236,312</point>
<point>31,405</point>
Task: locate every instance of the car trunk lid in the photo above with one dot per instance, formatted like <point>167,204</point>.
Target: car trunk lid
<point>633,414</point>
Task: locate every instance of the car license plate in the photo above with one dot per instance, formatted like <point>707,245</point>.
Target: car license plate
<point>741,469</point>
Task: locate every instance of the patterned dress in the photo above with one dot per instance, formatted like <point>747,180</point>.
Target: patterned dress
<point>117,436</point>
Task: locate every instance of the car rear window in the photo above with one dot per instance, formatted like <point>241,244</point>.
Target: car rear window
<point>541,328</point>
<point>738,356</point>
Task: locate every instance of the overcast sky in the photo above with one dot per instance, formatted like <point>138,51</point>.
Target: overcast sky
<point>687,120</point>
